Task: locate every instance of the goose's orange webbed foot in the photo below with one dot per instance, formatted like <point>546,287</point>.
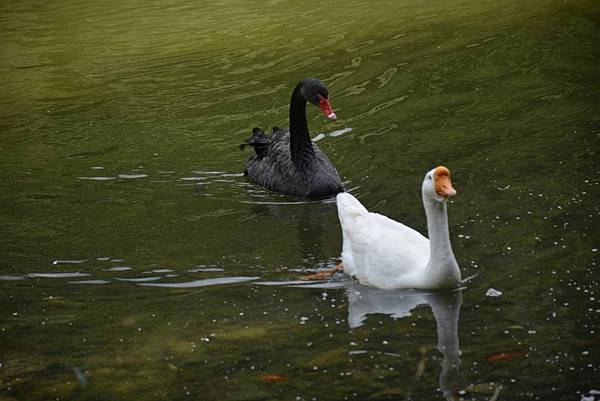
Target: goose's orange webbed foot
<point>322,275</point>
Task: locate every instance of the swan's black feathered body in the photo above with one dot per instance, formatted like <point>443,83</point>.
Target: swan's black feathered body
<point>288,161</point>
<point>272,166</point>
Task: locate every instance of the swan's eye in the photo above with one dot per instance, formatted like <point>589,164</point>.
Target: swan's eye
<point>429,177</point>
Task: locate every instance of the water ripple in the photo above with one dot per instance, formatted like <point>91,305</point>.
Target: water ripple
<point>57,275</point>
<point>378,108</point>
<point>97,282</point>
<point>69,262</point>
<point>11,278</point>
<point>139,279</point>
<point>204,283</point>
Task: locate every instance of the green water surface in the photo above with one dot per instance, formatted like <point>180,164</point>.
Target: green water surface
<point>119,124</point>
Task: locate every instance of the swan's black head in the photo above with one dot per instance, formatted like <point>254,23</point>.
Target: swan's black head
<point>315,92</point>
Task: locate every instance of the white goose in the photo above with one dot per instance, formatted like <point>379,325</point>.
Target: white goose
<point>383,253</point>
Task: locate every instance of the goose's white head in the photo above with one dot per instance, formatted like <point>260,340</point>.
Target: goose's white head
<point>437,184</point>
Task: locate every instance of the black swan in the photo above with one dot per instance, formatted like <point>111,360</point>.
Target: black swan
<point>288,161</point>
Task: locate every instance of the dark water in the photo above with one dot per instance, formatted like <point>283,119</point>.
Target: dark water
<point>121,173</point>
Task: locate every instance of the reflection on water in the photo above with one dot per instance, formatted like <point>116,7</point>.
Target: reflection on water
<point>90,282</point>
<point>445,305</point>
<point>363,301</point>
<point>307,219</point>
<point>57,275</point>
<point>203,283</point>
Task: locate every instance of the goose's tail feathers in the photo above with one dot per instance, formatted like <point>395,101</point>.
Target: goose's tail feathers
<point>354,219</point>
<point>349,205</point>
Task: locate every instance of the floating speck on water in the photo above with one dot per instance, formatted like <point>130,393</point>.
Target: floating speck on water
<point>493,293</point>
<point>97,168</point>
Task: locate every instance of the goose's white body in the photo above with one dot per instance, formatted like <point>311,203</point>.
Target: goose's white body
<point>384,253</point>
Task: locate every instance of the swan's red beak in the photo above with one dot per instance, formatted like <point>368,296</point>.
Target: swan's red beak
<point>325,107</point>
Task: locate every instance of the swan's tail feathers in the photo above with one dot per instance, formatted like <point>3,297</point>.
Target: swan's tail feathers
<point>259,141</point>
<point>277,130</point>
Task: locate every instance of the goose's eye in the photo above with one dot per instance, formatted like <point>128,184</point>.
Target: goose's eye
<point>429,177</point>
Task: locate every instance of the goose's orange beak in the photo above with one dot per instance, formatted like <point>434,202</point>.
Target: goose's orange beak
<point>443,184</point>
<point>325,107</point>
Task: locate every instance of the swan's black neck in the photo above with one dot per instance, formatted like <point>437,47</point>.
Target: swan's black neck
<point>300,143</point>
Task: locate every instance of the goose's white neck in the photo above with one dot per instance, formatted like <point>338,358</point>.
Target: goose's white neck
<point>442,266</point>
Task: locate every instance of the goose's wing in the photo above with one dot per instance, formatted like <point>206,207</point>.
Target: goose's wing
<point>376,248</point>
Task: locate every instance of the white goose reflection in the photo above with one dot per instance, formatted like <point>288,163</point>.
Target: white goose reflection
<point>445,306</point>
